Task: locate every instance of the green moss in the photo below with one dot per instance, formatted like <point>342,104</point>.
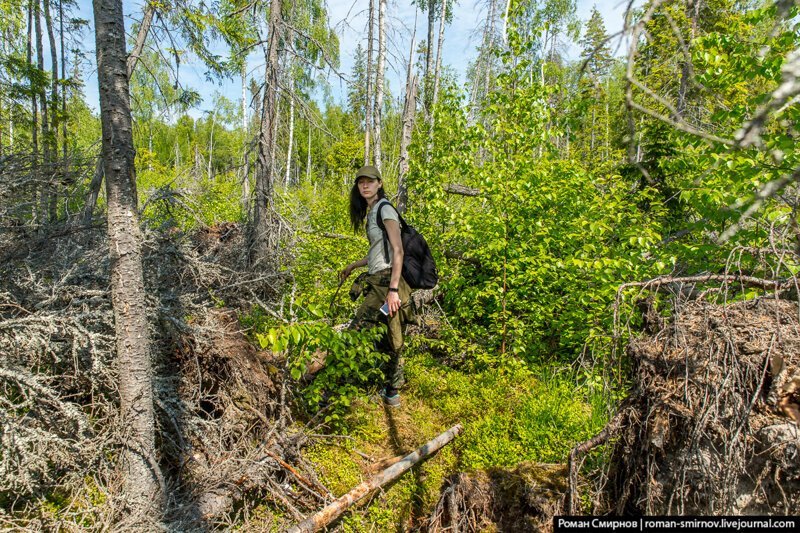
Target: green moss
<point>510,415</point>
<point>338,469</point>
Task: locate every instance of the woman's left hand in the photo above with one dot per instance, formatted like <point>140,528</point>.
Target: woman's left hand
<point>393,299</point>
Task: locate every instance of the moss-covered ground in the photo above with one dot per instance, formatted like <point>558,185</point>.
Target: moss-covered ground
<point>510,415</point>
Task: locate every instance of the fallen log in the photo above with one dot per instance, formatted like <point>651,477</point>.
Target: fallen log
<point>335,509</point>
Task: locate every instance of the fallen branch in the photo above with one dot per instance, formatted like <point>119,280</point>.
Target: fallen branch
<point>331,512</point>
<point>747,281</point>
<point>582,449</point>
<point>383,464</point>
<point>455,188</point>
<point>460,256</point>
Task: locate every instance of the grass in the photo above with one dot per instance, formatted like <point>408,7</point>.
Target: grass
<point>510,416</point>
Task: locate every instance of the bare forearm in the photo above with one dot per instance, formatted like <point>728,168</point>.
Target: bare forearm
<point>397,267</point>
<point>358,264</point>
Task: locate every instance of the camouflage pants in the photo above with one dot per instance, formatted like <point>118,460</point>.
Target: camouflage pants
<point>375,290</point>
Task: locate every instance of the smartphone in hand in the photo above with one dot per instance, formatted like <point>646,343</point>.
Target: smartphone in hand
<point>385,308</point>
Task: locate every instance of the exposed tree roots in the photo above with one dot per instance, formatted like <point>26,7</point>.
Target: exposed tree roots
<point>710,424</point>
<point>226,434</point>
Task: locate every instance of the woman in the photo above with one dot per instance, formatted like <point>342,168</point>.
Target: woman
<point>384,283</point>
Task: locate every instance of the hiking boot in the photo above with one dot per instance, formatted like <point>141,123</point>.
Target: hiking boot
<point>391,397</point>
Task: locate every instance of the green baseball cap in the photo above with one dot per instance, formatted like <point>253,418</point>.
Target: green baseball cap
<point>368,171</point>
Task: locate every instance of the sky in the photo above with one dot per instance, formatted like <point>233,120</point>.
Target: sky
<point>348,18</point>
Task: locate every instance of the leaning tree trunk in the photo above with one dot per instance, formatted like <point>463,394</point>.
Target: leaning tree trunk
<point>54,78</point>
<point>140,469</point>
<point>265,172</point>
<point>379,80</point>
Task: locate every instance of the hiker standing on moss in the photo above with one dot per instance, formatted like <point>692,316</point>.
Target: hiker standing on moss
<point>384,282</point>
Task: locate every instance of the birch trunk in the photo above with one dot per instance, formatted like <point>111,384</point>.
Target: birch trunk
<point>438,59</point>
<point>368,104</point>
<point>211,145</point>
<point>245,150</point>
<point>429,54</point>
<point>479,91</point>
<point>141,490</point>
<point>436,75</point>
<point>308,160</point>
<point>490,45</point>
<point>288,174</point>
<point>379,81</point>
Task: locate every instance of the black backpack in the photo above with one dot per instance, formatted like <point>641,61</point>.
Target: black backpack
<point>419,268</point>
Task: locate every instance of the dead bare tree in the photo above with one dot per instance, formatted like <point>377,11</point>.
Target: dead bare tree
<point>409,114</point>
<point>263,210</point>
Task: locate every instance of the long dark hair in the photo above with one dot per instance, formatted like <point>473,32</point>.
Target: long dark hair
<point>358,207</point>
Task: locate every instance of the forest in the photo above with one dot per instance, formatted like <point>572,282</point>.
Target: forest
<point>614,217</point>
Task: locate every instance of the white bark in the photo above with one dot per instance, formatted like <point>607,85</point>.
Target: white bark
<point>368,103</point>
<point>287,176</point>
<point>245,152</point>
<point>409,113</point>
<point>379,80</point>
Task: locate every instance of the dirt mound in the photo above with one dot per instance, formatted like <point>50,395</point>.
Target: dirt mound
<point>710,426</point>
<point>523,499</point>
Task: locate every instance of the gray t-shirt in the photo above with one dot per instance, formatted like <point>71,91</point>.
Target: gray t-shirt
<point>375,259</point>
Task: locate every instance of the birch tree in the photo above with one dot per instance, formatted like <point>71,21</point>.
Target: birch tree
<point>379,80</point>
<point>368,82</point>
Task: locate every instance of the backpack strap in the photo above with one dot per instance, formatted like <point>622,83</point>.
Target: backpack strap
<point>382,226</point>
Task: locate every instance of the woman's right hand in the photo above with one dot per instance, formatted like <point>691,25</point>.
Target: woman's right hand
<point>345,272</point>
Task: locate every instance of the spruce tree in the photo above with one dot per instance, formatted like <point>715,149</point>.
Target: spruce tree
<point>595,51</point>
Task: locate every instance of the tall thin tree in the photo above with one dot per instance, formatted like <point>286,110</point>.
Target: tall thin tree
<point>131,62</point>
<point>63,77</point>
<point>368,103</point>
<point>409,112</point>
<point>379,80</point>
